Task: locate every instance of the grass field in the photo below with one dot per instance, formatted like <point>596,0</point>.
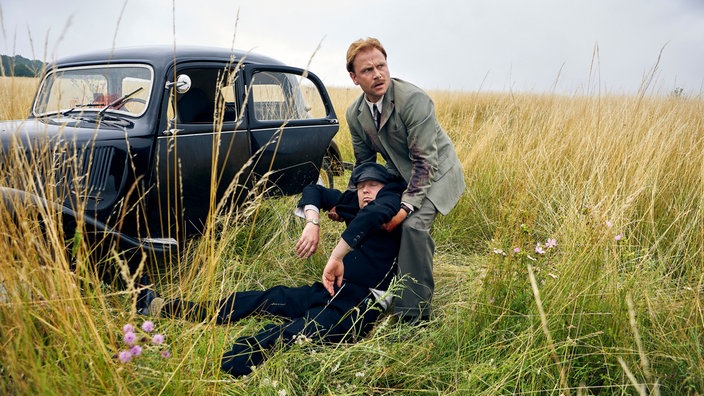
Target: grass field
<point>572,265</point>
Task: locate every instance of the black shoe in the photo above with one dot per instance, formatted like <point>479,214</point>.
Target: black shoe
<point>145,296</point>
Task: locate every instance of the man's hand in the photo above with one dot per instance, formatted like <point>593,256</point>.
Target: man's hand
<point>333,273</point>
<point>332,215</point>
<point>395,221</point>
<point>308,242</point>
<point>335,269</point>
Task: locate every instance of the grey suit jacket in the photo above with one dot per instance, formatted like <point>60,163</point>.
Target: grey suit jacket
<point>413,144</point>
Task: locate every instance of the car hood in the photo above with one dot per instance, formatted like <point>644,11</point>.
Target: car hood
<point>34,131</point>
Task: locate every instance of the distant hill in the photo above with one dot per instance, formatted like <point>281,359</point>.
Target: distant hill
<point>20,66</point>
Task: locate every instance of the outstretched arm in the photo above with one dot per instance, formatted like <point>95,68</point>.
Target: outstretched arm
<point>335,269</point>
<point>313,199</point>
<point>308,242</point>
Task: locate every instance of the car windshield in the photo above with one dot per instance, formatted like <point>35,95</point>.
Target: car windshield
<point>115,88</point>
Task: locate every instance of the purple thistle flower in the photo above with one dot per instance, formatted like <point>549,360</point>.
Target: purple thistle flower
<point>136,350</point>
<point>148,326</point>
<point>129,338</point>
<point>158,339</point>
<point>124,357</point>
<point>166,354</point>
<point>128,328</point>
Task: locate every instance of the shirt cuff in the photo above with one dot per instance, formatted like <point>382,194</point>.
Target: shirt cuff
<point>301,210</point>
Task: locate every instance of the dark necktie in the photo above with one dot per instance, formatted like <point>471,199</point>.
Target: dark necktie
<point>377,116</point>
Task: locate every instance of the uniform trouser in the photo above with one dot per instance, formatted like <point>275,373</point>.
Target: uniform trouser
<point>311,310</point>
<point>415,263</point>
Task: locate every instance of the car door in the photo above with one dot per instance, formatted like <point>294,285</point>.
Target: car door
<point>200,149</point>
<point>291,121</point>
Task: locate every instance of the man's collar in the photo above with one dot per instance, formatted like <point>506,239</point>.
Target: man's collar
<point>370,103</point>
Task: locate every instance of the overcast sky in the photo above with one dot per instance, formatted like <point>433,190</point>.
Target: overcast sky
<point>563,46</point>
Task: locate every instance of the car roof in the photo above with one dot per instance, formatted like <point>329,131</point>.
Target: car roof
<point>162,56</point>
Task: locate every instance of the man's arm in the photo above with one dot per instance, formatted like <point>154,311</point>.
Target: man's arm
<point>396,220</point>
<point>374,215</point>
<point>318,196</point>
<point>363,152</point>
<point>310,237</point>
<point>313,199</point>
<point>334,270</point>
<point>419,118</point>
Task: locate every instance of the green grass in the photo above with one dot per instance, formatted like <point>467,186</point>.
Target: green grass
<point>595,314</point>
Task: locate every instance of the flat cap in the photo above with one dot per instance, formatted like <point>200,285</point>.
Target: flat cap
<point>370,171</point>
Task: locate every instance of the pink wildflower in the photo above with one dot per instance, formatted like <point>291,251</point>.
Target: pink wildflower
<point>148,326</point>
<point>609,224</point>
<point>516,250</point>
<point>129,338</point>
<point>166,354</point>
<point>136,350</point>
<point>124,356</point>
<point>539,249</point>
<point>128,328</point>
<point>618,237</point>
<point>158,339</point>
<point>551,243</point>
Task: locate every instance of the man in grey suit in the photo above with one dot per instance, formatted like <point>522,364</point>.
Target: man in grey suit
<point>397,120</point>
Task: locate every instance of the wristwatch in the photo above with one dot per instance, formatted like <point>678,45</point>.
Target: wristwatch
<point>408,208</point>
<point>313,220</point>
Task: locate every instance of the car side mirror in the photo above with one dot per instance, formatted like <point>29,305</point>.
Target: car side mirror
<point>183,83</point>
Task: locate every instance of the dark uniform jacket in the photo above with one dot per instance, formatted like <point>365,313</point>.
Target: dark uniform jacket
<point>371,263</point>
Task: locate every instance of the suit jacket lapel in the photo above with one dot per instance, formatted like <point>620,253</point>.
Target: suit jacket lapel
<point>365,116</point>
<point>387,107</point>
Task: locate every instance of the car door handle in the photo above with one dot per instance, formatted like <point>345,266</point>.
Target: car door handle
<point>171,131</point>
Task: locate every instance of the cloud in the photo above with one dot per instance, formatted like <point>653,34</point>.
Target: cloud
<point>541,45</point>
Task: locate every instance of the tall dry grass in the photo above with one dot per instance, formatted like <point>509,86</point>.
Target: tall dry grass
<point>17,96</point>
<point>618,183</point>
<point>572,265</point>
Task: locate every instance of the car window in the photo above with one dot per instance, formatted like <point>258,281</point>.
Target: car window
<point>117,88</point>
<point>278,96</point>
<point>210,98</point>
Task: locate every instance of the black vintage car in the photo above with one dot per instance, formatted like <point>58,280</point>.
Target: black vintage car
<point>136,146</point>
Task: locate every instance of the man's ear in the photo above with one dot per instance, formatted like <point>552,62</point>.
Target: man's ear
<point>354,78</point>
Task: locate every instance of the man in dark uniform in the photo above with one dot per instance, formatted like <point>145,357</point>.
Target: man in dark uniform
<point>353,292</point>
